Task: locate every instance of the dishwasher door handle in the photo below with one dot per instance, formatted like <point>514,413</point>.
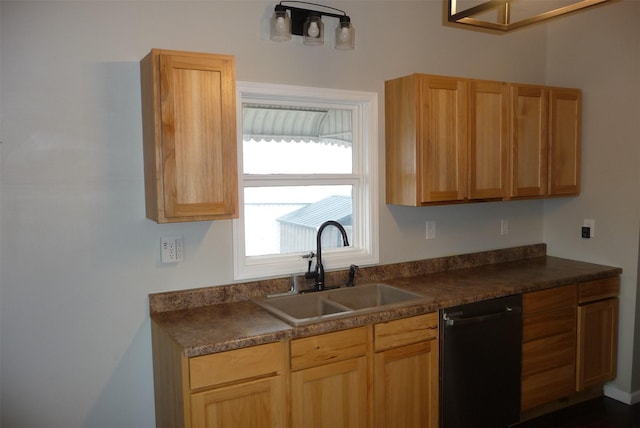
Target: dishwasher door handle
<point>454,320</point>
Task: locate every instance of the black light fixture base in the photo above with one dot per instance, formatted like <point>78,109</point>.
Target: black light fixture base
<point>299,15</point>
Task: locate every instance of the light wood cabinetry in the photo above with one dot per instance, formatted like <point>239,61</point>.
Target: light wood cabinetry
<point>488,140</point>
<point>529,137</point>
<point>243,387</point>
<point>549,343</point>
<point>459,140</point>
<point>382,375</point>
<point>569,341</point>
<point>564,141</point>
<point>406,372</point>
<point>426,139</point>
<point>189,136</point>
<point>597,332</point>
<point>329,380</point>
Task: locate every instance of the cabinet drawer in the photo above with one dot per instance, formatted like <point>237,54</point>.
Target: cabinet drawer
<point>549,324</point>
<point>327,348</point>
<point>598,289</point>
<point>548,386</point>
<point>548,300</point>
<point>405,331</point>
<point>230,366</point>
<point>547,353</point>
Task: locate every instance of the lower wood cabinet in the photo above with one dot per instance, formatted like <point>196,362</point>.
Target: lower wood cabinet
<point>570,340</point>
<point>256,403</point>
<point>332,395</point>
<point>406,372</point>
<point>549,344</point>
<point>597,332</point>
<point>329,380</point>
<point>382,375</point>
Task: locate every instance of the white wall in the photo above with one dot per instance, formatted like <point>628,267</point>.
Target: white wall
<point>599,52</point>
<point>78,257</point>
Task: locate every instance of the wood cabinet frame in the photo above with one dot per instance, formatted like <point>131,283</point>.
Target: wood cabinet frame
<point>189,136</point>
<point>452,140</point>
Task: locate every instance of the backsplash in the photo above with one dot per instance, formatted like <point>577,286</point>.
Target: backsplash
<point>206,296</point>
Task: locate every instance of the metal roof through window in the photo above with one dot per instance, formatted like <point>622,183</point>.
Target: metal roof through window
<point>296,124</point>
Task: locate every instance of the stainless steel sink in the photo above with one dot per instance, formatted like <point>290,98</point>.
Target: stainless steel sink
<point>301,309</point>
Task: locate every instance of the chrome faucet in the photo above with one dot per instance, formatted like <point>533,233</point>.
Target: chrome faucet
<point>319,272</point>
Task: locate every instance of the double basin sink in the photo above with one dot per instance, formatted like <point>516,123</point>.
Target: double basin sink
<point>301,309</point>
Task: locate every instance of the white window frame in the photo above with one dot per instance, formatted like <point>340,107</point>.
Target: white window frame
<point>365,249</point>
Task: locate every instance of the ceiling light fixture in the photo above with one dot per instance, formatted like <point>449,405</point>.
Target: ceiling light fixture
<point>287,20</point>
<point>507,16</point>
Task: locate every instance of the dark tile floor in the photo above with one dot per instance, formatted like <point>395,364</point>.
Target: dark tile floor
<point>602,412</point>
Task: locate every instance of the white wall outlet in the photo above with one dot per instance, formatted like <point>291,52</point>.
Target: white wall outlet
<point>171,249</point>
<point>591,224</point>
<point>504,227</point>
<point>431,229</point>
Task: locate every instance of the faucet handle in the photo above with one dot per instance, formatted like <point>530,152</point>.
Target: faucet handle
<point>310,274</point>
<point>352,274</point>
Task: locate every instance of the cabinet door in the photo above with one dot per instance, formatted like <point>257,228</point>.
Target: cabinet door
<point>406,386</point>
<point>488,140</point>
<point>529,136</point>
<point>442,139</point>
<point>597,343</point>
<point>564,141</point>
<point>258,404</point>
<point>190,145</point>
<point>333,395</point>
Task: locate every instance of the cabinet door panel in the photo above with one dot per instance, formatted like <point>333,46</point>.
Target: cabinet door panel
<point>597,343</point>
<point>529,136</point>
<point>488,140</point>
<point>258,404</point>
<point>406,386</point>
<point>198,133</point>
<point>564,142</point>
<point>442,147</point>
<point>332,395</point>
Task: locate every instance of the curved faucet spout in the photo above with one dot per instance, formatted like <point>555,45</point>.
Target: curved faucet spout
<point>319,268</point>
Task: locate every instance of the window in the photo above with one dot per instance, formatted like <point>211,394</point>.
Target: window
<point>307,155</point>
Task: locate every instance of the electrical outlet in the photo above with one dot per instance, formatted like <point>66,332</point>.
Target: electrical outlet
<point>431,229</point>
<point>504,227</point>
<point>171,249</point>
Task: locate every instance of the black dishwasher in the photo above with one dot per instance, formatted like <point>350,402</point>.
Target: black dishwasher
<point>480,363</point>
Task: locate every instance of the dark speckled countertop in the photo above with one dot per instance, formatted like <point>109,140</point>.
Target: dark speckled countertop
<point>216,319</point>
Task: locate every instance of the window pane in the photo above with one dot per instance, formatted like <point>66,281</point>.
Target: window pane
<point>296,140</point>
<point>285,219</point>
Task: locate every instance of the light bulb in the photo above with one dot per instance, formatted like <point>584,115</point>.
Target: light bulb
<point>344,34</point>
<point>313,30</point>
<point>280,24</point>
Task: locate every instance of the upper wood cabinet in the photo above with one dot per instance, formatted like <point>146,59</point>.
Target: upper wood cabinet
<point>488,140</point>
<point>189,136</point>
<point>564,141</point>
<point>426,139</point>
<point>529,136</point>
<point>458,140</point>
